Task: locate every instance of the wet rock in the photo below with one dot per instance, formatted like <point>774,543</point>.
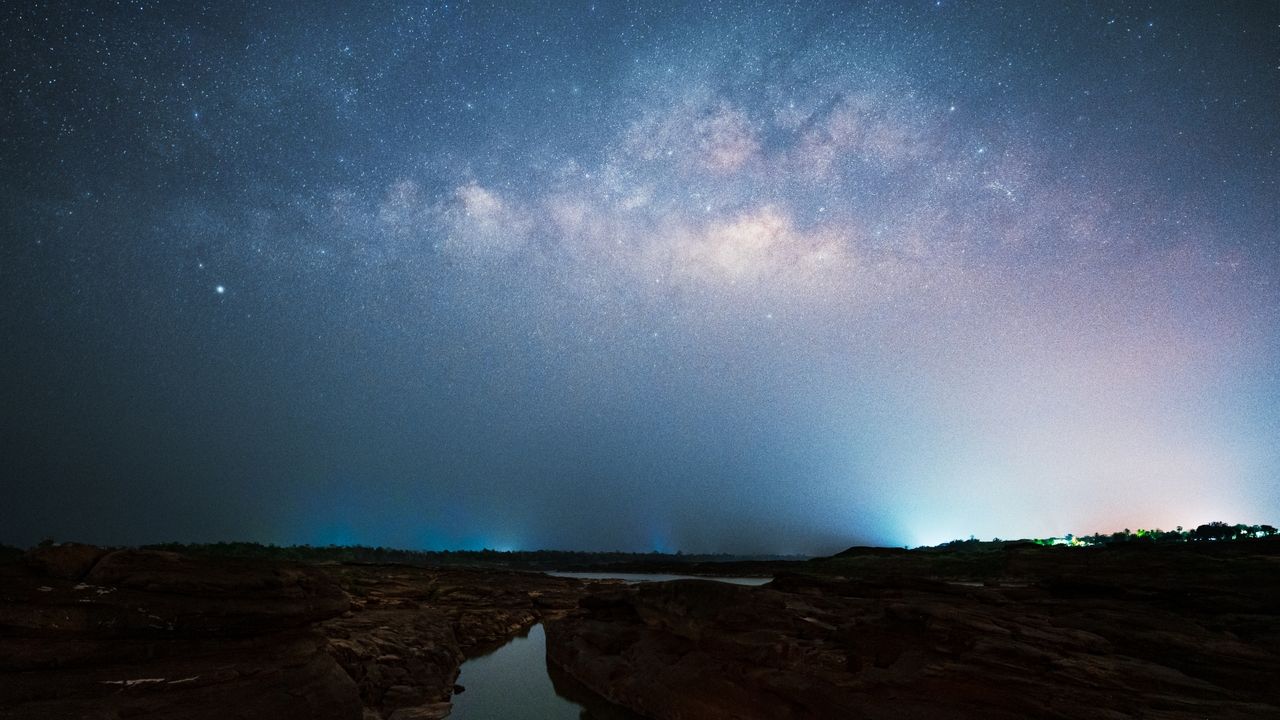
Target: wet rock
<point>432,711</point>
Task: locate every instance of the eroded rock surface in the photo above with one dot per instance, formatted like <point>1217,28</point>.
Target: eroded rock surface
<point>91,633</point>
<point>1089,634</point>
<point>86,633</point>
<point>409,629</point>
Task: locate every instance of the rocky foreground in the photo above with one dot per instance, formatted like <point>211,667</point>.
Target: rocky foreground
<point>87,633</point>
<point>1129,631</point>
<point>1179,632</point>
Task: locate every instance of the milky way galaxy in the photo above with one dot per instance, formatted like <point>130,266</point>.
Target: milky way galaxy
<point>733,277</point>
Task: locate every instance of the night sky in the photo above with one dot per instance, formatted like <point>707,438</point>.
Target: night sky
<point>725,277</point>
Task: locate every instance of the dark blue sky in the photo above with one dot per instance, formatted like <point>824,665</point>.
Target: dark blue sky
<point>741,277</point>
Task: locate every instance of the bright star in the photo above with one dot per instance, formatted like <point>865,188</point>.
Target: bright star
<point>221,289</point>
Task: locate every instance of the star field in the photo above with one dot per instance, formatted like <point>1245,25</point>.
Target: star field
<point>725,276</point>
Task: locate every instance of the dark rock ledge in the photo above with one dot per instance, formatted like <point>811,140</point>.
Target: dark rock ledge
<point>808,647</point>
<point>86,633</point>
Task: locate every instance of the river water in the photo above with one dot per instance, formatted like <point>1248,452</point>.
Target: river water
<point>514,682</point>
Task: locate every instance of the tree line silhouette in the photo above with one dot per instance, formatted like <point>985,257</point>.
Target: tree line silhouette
<point>1209,532</point>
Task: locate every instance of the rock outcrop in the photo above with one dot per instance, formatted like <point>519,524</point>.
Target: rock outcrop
<point>86,633</point>
<point>409,629</point>
<point>1144,636</point>
<point>91,633</point>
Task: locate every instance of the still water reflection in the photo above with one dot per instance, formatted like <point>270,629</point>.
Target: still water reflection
<point>515,683</point>
<point>512,682</point>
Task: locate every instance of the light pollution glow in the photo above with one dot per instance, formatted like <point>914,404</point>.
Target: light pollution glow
<point>742,286</point>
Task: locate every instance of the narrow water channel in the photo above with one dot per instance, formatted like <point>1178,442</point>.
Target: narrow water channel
<point>514,682</point>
